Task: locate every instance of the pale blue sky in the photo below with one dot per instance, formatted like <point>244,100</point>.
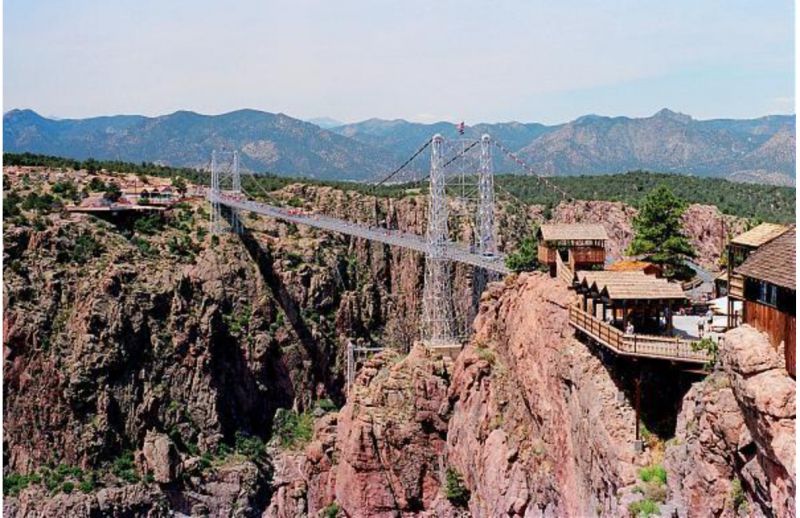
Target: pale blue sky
<point>419,60</point>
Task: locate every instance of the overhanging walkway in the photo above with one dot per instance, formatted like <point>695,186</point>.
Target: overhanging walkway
<point>635,345</point>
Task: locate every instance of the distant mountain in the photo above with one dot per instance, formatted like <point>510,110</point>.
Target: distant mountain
<point>757,150</point>
<point>325,122</point>
<point>754,150</point>
<point>267,142</point>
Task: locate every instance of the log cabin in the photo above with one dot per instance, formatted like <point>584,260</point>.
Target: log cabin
<point>769,293</point>
<point>739,248</point>
<point>582,246</point>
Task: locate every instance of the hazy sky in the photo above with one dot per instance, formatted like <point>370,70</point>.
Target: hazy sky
<point>547,61</point>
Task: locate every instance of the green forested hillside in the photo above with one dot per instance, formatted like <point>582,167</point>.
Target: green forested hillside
<point>764,202</point>
<point>761,202</point>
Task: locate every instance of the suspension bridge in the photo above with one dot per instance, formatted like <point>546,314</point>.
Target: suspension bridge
<point>459,169</point>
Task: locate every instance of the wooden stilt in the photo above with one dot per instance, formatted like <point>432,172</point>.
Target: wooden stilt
<point>638,401</point>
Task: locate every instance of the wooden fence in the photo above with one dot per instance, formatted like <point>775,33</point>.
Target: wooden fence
<point>638,345</point>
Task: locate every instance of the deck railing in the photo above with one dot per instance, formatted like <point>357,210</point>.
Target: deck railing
<point>644,346</point>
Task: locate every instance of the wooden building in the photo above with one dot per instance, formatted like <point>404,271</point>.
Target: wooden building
<point>621,298</point>
<point>769,292</point>
<point>581,246</point>
<point>739,249</point>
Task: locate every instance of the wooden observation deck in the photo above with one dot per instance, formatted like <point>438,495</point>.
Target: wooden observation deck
<point>635,345</point>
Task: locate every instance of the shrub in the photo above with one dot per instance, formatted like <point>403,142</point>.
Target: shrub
<point>11,202</point>
<point>292,430</point>
<point>710,347</point>
<point>123,467</point>
<point>87,485</point>
<point>331,510</point>
<point>182,246</point>
<point>112,192</point>
<point>67,189</point>
<point>251,447</point>
<point>86,247</point>
<point>327,405</point>
<point>655,473</point>
<point>643,508</point>
<point>485,355</point>
<point>40,202</point>
<point>67,487</point>
<point>454,489</point>
<point>142,245</point>
<point>737,495</point>
<point>96,185</point>
<point>149,224</point>
<point>14,483</point>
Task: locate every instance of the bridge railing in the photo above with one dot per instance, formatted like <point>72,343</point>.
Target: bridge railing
<point>638,345</point>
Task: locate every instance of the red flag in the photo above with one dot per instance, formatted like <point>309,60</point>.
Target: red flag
<point>461,128</point>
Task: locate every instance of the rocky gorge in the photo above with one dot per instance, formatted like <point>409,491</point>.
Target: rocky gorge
<point>156,369</point>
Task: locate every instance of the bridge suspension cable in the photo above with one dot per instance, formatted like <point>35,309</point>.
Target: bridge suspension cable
<point>405,164</point>
<point>544,181</point>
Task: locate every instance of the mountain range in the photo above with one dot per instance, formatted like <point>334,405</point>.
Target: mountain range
<point>755,150</point>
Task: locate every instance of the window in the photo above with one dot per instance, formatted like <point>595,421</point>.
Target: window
<point>767,293</point>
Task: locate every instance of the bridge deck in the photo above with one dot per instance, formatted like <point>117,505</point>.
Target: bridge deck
<point>452,251</point>
<point>637,345</point>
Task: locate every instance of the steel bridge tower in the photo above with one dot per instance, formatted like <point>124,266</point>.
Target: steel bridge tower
<point>224,174</point>
<point>438,327</point>
<point>485,221</point>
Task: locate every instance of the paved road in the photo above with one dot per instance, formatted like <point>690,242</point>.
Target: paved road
<point>453,251</point>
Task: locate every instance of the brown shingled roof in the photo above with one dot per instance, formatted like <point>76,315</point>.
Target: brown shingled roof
<point>573,232</point>
<point>759,235</point>
<point>630,285</point>
<point>773,262</point>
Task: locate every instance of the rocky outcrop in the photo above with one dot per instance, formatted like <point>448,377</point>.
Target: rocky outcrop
<point>489,419</point>
<point>160,458</point>
<point>116,502</point>
<point>766,396</point>
<point>536,428</point>
<point>734,449</point>
<point>382,454</point>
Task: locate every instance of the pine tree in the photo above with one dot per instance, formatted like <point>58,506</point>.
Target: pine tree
<point>659,236</point>
<point>180,185</point>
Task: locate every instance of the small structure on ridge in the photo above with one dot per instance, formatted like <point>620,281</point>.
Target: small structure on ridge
<point>581,246</point>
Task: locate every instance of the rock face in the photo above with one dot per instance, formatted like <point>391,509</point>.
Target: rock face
<point>134,500</point>
<point>490,418</point>
<point>160,457</point>
<point>734,450</point>
<point>389,443</point>
<point>537,429</point>
<point>382,454</point>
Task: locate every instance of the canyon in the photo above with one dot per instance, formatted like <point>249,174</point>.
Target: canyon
<point>165,370</point>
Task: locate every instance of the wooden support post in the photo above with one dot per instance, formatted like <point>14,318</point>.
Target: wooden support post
<point>638,400</point>
<point>604,310</point>
<point>624,316</point>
